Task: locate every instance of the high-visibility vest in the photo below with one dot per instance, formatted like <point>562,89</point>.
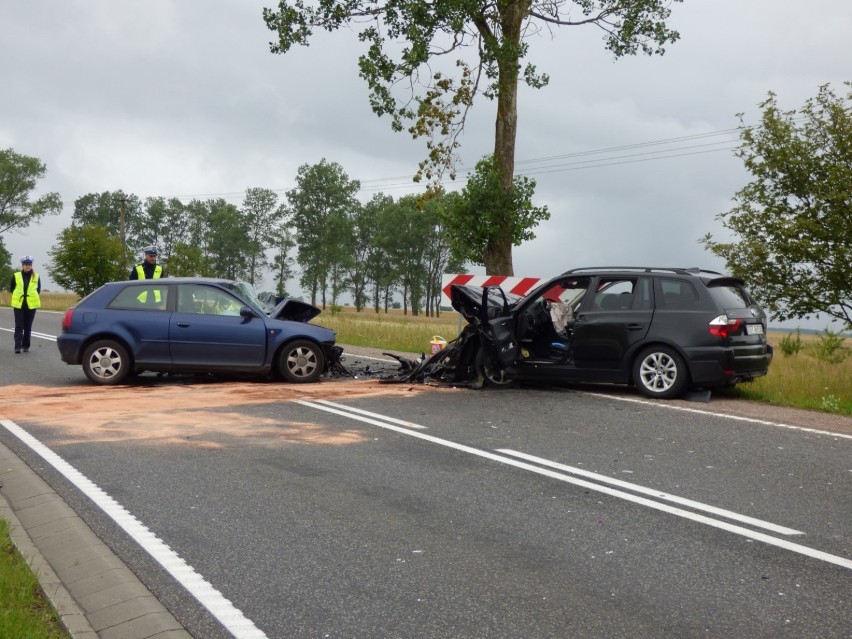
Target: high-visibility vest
<point>140,273</point>
<point>33,300</point>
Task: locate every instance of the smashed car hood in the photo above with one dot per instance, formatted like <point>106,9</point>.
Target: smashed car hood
<point>467,300</point>
<point>294,311</point>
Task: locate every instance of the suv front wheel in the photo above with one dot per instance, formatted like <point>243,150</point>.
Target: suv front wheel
<point>492,374</point>
<point>659,371</point>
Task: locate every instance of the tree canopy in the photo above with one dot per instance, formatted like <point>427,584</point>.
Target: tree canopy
<point>484,213</point>
<point>6,269</point>
<point>412,77</point>
<point>264,219</point>
<point>87,257</point>
<point>321,205</point>
<point>19,175</point>
<point>793,221</point>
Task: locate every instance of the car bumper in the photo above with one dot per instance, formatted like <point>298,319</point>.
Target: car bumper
<point>70,347</point>
<point>721,366</point>
<point>332,354</point>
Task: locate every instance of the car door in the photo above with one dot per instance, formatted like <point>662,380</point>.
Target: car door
<point>498,324</point>
<point>615,315</point>
<point>207,331</point>
<point>141,309</point>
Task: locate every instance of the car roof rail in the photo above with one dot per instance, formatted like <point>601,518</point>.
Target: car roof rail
<point>644,269</point>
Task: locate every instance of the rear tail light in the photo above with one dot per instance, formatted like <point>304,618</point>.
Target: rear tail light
<point>723,327</point>
<point>66,320</point>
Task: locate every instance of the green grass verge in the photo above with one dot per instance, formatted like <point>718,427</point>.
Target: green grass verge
<point>24,612</point>
<point>803,380</point>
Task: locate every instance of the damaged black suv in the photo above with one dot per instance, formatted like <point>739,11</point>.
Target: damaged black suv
<point>664,330</point>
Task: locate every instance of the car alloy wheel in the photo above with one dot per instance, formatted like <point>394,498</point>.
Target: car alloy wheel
<point>301,361</point>
<point>106,362</point>
<point>660,372</point>
<point>492,375</point>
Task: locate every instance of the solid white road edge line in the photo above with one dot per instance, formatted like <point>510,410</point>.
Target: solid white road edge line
<point>732,528</point>
<point>695,505</point>
<point>392,420</point>
<point>222,609</point>
<point>698,411</point>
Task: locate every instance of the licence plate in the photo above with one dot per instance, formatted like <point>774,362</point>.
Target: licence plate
<point>754,329</point>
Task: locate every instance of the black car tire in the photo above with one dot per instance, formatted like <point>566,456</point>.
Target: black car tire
<point>492,375</point>
<point>660,372</point>
<point>106,362</point>
<point>301,361</point>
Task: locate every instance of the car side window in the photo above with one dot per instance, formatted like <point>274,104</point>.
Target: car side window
<point>148,297</point>
<point>678,294</point>
<point>206,300</point>
<point>614,294</point>
<point>642,300</point>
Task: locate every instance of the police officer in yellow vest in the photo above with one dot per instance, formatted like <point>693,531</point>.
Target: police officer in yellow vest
<point>148,270</point>
<point>25,287</point>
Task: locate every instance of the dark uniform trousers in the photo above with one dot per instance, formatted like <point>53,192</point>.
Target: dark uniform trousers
<point>23,327</point>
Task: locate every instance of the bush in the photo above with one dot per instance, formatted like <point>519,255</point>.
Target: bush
<point>791,344</point>
<point>830,348</point>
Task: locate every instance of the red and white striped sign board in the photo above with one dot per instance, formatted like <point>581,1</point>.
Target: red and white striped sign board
<point>514,285</point>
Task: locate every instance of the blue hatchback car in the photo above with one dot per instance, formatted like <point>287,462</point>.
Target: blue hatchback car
<point>192,325</point>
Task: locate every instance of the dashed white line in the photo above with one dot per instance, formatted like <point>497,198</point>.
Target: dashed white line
<point>689,503</point>
<point>392,420</point>
<point>50,338</point>
<point>679,512</point>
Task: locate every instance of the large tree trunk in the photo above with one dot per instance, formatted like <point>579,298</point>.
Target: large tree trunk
<point>498,253</point>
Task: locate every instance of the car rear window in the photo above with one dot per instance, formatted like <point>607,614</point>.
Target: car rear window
<point>730,296</point>
<point>678,294</point>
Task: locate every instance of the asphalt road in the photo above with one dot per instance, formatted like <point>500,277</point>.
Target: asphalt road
<point>529,512</point>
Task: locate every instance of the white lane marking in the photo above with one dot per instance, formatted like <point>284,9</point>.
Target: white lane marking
<point>392,420</point>
<point>698,411</point>
<point>222,609</point>
<point>375,359</point>
<point>702,519</point>
<point>34,334</point>
<point>695,505</point>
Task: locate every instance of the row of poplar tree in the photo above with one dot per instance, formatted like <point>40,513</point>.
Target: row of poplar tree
<point>371,251</point>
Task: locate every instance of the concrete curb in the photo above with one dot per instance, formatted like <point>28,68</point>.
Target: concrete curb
<point>94,593</point>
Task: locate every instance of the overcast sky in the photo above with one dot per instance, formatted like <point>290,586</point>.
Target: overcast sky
<point>183,98</point>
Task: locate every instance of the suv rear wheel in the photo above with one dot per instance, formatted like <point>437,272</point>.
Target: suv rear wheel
<point>659,371</point>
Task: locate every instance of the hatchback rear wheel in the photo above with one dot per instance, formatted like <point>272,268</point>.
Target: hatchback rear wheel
<point>106,362</point>
<point>301,361</point>
<point>660,372</point>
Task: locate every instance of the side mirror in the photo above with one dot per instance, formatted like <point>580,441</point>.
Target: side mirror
<point>247,312</point>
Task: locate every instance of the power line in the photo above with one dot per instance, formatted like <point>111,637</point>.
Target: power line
<point>625,147</point>
<point>525,167</point>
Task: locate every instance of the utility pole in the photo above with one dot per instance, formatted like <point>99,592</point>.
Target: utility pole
<point>123,201</point>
